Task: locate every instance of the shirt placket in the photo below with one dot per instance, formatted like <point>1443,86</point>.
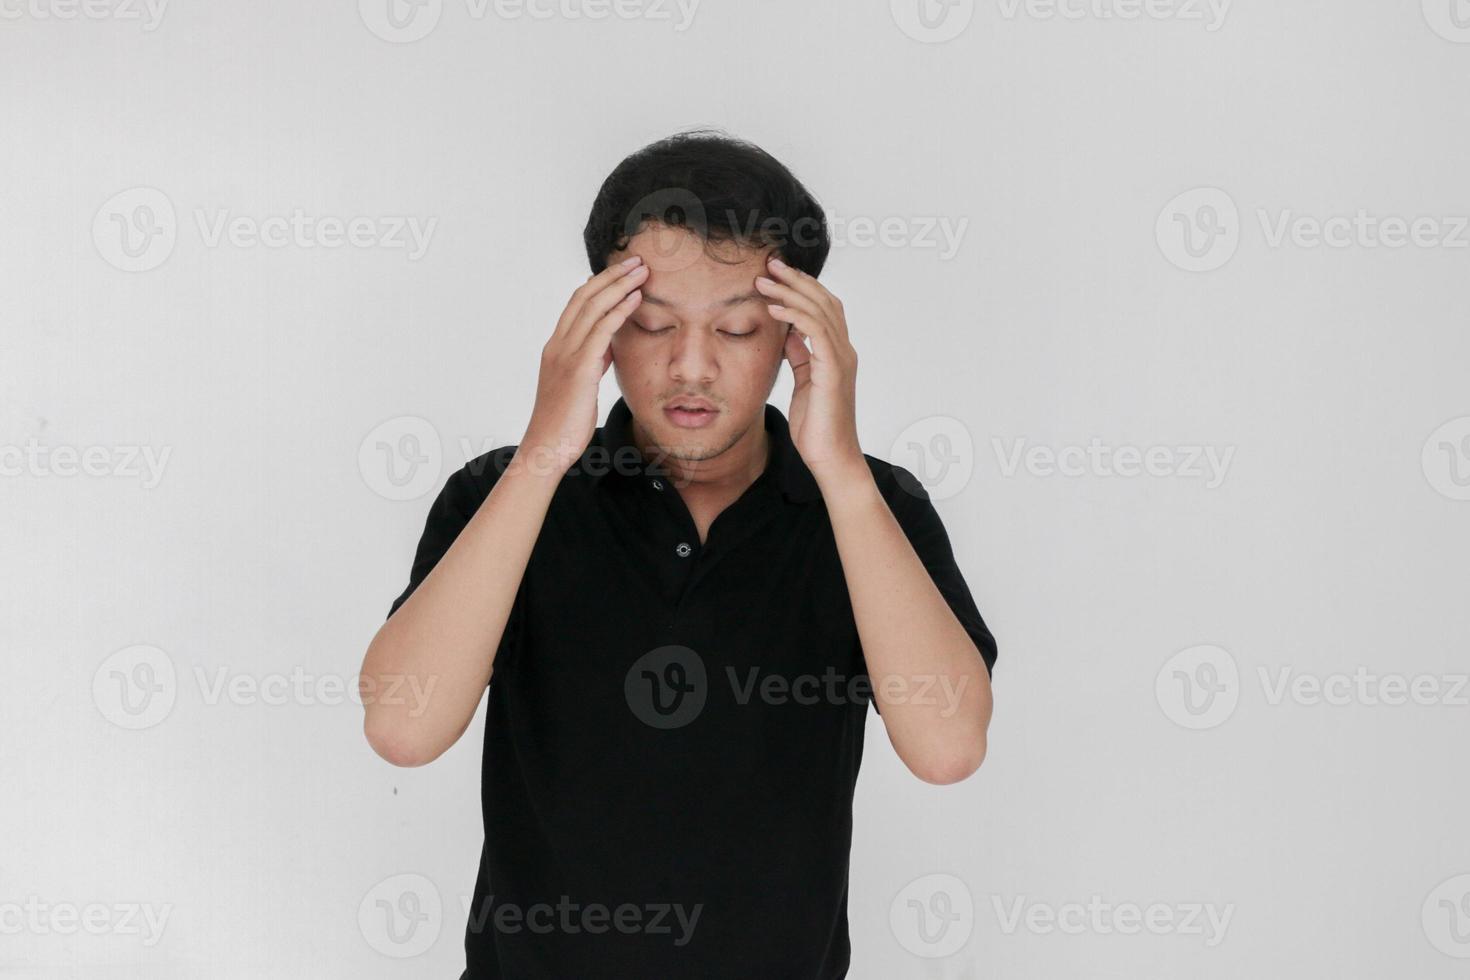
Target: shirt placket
<point>678,549</point>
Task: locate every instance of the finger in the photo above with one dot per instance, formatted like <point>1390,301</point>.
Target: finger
<point>813,328</point>
<point>796,353</point>
<point>805,284</point>
<point>787,296</point>
<point>605,300</point>
<point>599,338</point>
<point>590,288</point>
<point>814,296</point>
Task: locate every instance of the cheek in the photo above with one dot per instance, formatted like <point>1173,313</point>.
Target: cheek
<point>756,361</point>
<point>633,351</point>
<point>624,340</point>
<point>768,346</point>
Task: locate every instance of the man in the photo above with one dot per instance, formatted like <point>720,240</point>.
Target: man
<point>682,615</point>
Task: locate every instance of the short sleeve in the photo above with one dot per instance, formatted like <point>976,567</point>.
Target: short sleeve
<point>915,513</point>
<point>457,502</point>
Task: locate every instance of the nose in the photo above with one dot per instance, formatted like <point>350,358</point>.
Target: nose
<point>693,357</point>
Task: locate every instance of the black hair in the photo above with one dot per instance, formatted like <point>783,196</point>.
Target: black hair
<point>721,188</point>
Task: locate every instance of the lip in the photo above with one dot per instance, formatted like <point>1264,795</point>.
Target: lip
<point>691,401</point>
<point>685,419</point>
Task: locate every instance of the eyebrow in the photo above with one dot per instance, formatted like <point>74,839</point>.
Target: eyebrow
<point>653,300</point>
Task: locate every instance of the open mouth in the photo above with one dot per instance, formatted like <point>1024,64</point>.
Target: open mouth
<point>690,415</point>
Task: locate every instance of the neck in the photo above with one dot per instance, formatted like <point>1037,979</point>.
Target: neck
<point>731,470</point>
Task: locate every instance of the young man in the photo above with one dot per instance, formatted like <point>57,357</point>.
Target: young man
<point>681,616</point>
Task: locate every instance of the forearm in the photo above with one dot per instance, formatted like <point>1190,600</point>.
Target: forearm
<point>427,668</point>
<point>929,680</point>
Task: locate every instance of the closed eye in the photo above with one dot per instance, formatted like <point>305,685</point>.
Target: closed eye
<point>750,331</point>
<point>728,333</point>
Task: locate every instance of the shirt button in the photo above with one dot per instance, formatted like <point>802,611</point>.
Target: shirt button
<point>683,549</point>
<point>658,484</point>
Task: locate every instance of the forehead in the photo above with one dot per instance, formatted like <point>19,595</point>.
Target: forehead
<point>687,272</point>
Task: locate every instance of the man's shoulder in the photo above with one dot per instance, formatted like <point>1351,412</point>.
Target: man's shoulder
<point>898,485</point>
<point>477,476</point>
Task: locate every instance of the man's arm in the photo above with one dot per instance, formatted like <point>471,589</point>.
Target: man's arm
<point>441,642</point>
<point>910,635</point>
<point>929,679</point>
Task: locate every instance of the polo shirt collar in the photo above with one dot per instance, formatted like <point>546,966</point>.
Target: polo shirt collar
<point>786,469</point>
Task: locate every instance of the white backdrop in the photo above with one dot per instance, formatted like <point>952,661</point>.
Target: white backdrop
<point>1164,299</point>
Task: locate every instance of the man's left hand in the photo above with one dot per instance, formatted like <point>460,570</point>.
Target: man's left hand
<point>823,413</point>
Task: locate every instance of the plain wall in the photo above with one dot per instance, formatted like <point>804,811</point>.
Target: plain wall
<point>1144,751</point>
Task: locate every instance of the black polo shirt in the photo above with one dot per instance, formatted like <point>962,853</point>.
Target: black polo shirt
<point>674,729</point>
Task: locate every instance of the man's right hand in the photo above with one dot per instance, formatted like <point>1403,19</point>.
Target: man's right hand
<point>572,365</point>
<point>445,635</point>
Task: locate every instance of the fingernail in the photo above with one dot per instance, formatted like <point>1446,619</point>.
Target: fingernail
<point>765,281</point>
<point>629,263</point>
<point>777,262</point>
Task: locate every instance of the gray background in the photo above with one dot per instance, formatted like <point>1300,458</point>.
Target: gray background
<point>1120,182</point>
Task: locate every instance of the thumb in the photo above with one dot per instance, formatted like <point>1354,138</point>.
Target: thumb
<point>795,351</point>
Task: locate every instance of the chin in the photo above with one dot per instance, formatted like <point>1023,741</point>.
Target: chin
<point>681,447</point>
<point>685,444</point>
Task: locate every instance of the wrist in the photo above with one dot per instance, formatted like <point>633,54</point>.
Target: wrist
<point>847,480</point>
<point>540,461</point>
